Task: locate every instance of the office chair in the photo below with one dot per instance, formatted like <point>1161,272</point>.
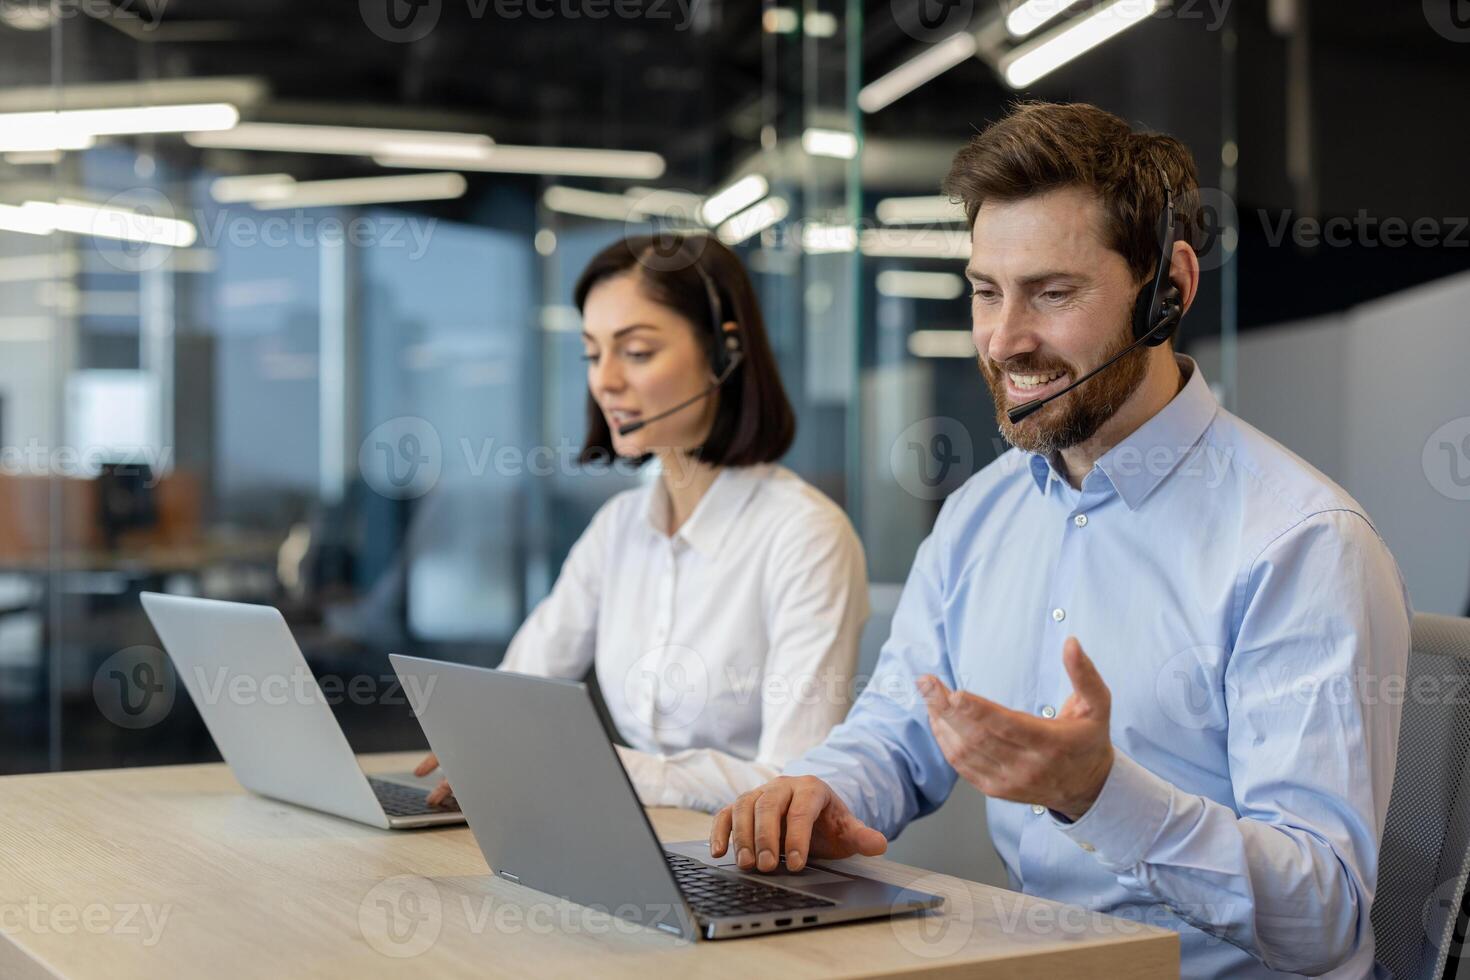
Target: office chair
<point>1419,909</point>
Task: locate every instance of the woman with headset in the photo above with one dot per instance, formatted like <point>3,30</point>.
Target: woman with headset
<point>721,604</point>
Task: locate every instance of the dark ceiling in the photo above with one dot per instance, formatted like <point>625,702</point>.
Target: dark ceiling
<point>697,84</point>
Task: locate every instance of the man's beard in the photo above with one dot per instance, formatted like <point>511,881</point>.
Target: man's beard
<point>1076,416</point>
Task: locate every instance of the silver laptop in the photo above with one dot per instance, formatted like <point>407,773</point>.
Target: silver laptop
<point>552,808</point>
<point>270,719</point>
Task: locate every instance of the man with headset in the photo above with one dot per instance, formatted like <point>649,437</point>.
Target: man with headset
<point>1154,638</point>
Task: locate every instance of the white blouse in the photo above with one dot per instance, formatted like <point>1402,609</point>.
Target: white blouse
<point>722,651</point>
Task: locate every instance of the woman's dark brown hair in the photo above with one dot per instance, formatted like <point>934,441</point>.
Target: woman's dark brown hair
<point>754,422</point>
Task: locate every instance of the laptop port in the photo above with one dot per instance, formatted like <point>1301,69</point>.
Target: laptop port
<point>783,922</point>
<point>807,920</point>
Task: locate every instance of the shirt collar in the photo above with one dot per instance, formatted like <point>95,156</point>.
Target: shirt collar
<point>717,511</point>
<point>1152,451</point>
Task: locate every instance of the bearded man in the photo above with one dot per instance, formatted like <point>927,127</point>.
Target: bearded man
<point>1141,631</point>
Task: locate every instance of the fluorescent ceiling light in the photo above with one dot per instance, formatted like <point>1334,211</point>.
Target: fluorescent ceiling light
<point>30,158</point>
<point>101,221</point>
<point>942,343</point>
<point>819,238</point>
<point>28,17</point>
<point>233,190</point>
<point>935,61</point>
<point>910,284</point>
<point>819,23</point>
<point>562,161</point>
<point>920,243</point>
<point>738,196</point>
<point>1031,14</point>
<point>829,143</point>
<point>588,204</point>
<point>1043,55</point>
<point>778,20</point>
<point>360,190</point>
<point>76,129</point>
<point>753,220</point>
<point>665,203</point>
<point>345,140</point>
<point>26,222</point>
<point>237,91</point>
<point>932,209</point>
<point>36,139</point>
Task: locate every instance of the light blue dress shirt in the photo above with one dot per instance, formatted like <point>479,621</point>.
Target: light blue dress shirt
<point>1250,624</point>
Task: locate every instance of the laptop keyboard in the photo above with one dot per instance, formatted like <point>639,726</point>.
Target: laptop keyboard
<point>713,894</point>
<point>406,801</point>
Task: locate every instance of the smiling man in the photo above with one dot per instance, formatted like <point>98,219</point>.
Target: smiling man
<point>1152,664</point>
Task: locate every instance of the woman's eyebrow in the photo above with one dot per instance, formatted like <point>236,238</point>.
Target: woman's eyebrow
<point>623,330</point>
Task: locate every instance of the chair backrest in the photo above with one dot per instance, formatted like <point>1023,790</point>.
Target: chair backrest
<point>1418,908</point>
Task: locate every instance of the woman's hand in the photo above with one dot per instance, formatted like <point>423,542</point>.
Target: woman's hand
<point>439,793</point>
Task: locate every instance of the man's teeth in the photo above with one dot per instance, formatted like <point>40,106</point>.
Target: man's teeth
<point>1034,380</point>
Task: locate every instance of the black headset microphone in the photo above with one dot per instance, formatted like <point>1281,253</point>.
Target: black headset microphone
<point>725,356</point>
<point>1156,312</point>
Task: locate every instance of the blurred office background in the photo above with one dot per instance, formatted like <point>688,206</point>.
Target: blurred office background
<point>335,367</point>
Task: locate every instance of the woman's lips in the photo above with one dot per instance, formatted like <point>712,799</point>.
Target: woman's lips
<point>619,418</point>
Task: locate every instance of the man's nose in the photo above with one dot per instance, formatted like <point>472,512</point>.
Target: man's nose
<point>1012,334</point>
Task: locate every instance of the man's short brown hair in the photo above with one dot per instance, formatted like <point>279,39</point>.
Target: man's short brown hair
<point>1043,146</point>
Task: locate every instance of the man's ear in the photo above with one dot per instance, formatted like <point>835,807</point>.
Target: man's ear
<point>1184,273</point>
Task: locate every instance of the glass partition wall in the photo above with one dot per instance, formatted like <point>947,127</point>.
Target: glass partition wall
<point>286,311</point>
<point>286,318</point>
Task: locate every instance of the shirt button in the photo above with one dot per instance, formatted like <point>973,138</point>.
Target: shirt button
<point>1038,809</point>
<point>1058,614</point>
<point>1047,711</point>
<point>1080,520</point>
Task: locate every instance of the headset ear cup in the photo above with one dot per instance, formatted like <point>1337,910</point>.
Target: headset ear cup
<point>1171,311</point>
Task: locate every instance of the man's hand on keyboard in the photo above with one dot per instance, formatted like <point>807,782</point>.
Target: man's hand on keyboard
<point>801,810</point>
<point>439,793</point>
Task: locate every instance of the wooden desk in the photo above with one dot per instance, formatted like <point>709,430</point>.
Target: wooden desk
<point>177,872</point>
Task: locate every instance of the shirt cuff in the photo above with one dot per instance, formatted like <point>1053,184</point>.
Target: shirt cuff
<point>1125,819</point>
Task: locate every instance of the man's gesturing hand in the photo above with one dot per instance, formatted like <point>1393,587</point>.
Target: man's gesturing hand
<point>798,813</point>
<point>1061,763</point>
